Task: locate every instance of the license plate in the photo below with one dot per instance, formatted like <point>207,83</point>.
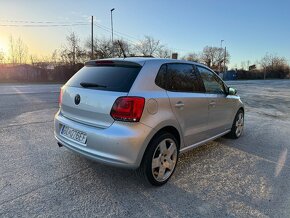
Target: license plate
<point>73,134</point>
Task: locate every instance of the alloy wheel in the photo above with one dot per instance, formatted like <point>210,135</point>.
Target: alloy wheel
<point>239,124</point>
<point>164,160</point>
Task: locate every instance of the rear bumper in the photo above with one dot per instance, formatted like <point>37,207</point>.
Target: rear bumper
<point>122,144</point>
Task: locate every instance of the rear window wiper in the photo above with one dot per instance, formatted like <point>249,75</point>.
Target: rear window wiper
<point>91,85</point>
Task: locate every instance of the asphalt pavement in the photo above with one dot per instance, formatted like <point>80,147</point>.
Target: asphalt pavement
<point>248,177</point>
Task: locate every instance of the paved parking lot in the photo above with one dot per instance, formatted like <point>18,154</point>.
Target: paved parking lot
<point>249,177</point>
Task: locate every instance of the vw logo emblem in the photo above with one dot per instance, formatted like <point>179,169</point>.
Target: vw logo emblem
<point>77,99</point>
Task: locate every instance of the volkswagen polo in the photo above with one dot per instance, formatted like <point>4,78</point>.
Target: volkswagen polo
<point>143,112</point>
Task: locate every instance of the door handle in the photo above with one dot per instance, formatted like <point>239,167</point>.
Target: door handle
<point>212,103</point>
<point>179,104</point>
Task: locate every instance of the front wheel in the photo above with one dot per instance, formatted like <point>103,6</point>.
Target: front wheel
<point>160,159</point>
<point>238,125</point>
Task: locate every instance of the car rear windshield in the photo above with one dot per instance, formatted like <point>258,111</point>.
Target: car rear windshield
<point>118,78</point>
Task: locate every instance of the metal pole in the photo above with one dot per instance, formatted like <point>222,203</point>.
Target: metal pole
<point>92,54</point>
<point>225,59</point>
<point>220,64</point>
<point>112,29</point>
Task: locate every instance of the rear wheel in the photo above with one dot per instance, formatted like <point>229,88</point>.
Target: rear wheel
<point>160,159</point>
<point>238,125</point>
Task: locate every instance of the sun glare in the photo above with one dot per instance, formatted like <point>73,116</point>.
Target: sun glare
<point>3,47</point>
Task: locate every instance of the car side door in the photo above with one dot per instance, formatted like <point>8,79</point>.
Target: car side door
<point>220,106</point>
<point>188,100</point>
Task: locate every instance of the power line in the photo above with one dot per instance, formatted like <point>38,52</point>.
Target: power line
<point>42,22</point>
<point>116,33</point>
<point>26,23</point>
<point>43,25</point>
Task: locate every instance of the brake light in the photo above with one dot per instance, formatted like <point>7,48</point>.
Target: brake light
<point>128,109</point>
<point>60,98</point>
<point>104,63</point>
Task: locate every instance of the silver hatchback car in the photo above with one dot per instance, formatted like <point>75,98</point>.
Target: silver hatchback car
<point>143,112</point>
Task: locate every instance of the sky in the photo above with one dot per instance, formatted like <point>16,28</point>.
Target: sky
<point>249,28</point>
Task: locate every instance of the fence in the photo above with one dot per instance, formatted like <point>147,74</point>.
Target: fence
<point>29,73</point>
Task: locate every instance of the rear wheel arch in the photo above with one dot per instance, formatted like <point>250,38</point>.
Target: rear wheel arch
<point>242,109</point>
<point>169,129</point>
<point>146,166</point>
<point>166,129</point>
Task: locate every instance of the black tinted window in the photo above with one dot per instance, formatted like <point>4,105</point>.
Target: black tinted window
<point>109,78</point>
<point>161,80</point>
<point>179,78</point>
<point>211,81</point>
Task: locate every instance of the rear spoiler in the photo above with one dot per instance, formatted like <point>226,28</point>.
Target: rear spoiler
<point>113,63</point>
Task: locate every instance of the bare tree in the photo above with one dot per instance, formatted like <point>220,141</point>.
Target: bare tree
<point>55,58</point>
<point>274,66</point>
<point>163,52</point>
<point>213,57</point>
<point>192,57</point>
<point>18,51</point>
<point>2,57</point>
<point>12,50</point>
<point>121,47</point>
<point>34,60</point>
<point>102,48</point>
<point>243,65</point>
<point>148,46</point>
<point>22,51</point>
<point>72,52</point>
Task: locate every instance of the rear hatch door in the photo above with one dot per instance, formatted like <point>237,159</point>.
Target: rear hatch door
<point>90,94</point>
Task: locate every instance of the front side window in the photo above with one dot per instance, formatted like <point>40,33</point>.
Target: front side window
<point>211,81</point>
<point>178,78</point>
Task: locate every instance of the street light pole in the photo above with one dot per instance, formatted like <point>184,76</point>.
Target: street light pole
<point>225,57</point>
<point>222,43</point>
<point>92,39</point>
<point>221,60</point>
<point>112,29</point>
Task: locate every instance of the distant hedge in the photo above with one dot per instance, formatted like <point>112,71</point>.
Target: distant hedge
<point>29,73</point>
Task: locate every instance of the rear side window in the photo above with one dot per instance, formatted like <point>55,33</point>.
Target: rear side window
<point>179,78</point>
<point>110,78</point>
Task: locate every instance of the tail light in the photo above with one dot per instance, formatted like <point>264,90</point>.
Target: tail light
<point>60,98</point>
<point>128,109</point>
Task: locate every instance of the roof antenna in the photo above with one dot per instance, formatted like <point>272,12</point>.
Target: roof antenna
<point>122,49</point>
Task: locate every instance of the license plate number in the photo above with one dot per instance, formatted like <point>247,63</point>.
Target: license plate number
<point>73,134</point>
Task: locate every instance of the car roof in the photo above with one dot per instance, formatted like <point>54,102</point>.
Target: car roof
<point>142,60</point>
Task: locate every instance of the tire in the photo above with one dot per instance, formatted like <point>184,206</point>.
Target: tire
<point>238,125</point>
<point>160,159</point>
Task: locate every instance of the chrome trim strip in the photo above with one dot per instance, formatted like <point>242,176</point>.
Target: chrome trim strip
<point>82,122</point>
<point>202,142</point>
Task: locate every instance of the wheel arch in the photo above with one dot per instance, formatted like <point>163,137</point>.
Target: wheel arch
<point>242,108</point>
<point>167,128</point>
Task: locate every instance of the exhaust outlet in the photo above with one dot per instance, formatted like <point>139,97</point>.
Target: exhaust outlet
<point>59,145</point>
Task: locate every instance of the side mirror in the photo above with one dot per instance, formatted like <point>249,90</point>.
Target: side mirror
<point>232,91</point>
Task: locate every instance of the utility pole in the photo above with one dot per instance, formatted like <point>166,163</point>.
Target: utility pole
<point>92,54</point>
<point>225,59</point>
<point>112,30</point>
<point>220,64</point>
